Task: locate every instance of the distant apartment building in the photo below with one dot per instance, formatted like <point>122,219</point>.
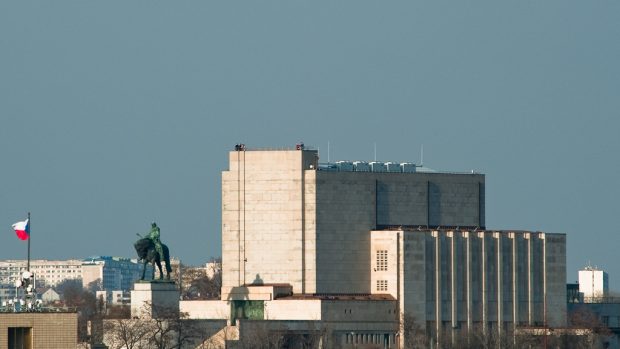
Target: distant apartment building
<point>593,284</point>
<point>111,273</point>
<point>212,268</point>
<point>7,293</point>
<point>175,265</point>
<point>113,298</point>
<point>357,245</point>
<point>47,272</point>
<point>590,305</point>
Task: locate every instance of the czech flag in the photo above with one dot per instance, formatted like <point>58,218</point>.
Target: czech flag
<point>22,229</point>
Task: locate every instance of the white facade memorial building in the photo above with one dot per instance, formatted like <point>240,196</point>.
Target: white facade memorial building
<point>358,245</point>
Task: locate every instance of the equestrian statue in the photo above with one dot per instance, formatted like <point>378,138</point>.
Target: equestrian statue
<point>151,250</point>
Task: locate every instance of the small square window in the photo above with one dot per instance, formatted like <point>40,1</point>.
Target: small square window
<point>382,285</point>
<point>382,262</point>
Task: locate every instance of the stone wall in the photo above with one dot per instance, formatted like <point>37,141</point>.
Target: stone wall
<point>350,204</point>
<point>211,309</point>
<point>283,309</point>
<point>464,279</point>
<point>285,222</point>
<point>263,217</point>
<point>48,330</point>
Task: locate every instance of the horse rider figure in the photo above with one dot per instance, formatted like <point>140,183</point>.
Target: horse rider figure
<point>151,250</point>
<point>154,236</point>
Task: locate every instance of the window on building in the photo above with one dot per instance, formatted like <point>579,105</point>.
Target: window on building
<point>382,260</point>
<point>382,285</point>
<point>605,320</point>
<point>20,337</point>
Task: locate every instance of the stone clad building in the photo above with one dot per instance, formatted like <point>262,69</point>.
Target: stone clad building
<point>458,281</point>
<point>316,223</point>
<point>31,330</point>
<point>395,238</point>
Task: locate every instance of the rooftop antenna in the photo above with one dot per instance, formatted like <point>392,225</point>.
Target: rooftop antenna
<point>422,155</point>
<point>328,152</point>
<point>375,151</point>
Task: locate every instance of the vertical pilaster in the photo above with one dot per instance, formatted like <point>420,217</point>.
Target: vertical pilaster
<point>544,271</point>
<point>483,281</point>
<point>500,282</point>
<point>453,281</point>
<point>242,181</point>
<point>239,245</point>
<point>438,299</point>
<point>400,272</point>
<point>303,226</point>
<point>468,271</point>
<point>530,277</point>
<point>515,281</point>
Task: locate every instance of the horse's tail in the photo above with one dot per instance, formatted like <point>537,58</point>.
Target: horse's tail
<point>166,257</point>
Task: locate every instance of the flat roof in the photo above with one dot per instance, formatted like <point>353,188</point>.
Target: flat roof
<point>342,297</point>
<point>471,229</point>
<point>267,285</point>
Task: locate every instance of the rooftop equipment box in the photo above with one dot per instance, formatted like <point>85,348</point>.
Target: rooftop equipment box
<point>361,166</point>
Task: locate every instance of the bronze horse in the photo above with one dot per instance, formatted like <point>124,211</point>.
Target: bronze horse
<point>147,254</point>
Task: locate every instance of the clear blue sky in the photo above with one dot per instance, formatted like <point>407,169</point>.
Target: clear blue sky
<point>115,113</point>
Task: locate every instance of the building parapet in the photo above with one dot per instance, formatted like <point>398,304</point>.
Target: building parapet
<point>343,297</point>
<point>263,292</point>
<point>7,309</point>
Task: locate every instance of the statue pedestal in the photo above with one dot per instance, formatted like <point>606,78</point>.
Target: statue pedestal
<point>156,299</point>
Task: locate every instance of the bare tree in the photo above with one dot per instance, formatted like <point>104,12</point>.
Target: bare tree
<point>215,272</point>
<point>201,282</point>
<point>95,285</point>
<point>315,336</point>
<point>118,312</point>
<point>259,335</point>
<point>126,333</point>
<point>588,331</point>
<point>68,284</point>
<point>202,334</point>
<point>188,276</point>
<point>413,333</point>
<point>200,337</point>
<point>170,329</point>
<point>74,296</point>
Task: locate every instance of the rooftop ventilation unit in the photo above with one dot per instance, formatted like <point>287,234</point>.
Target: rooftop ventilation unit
<point>392,167</point>
<point>328,167</point>
<point>407,167</point>
<point>344,166</point>
<point>378,166</point>
<point>361,166</point>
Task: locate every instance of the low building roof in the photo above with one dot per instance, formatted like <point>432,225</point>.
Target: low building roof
<point>342,297</point>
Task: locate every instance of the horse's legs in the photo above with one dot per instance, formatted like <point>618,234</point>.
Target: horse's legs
<point>143,269</point>
<point>168,269</point>
<point>161,273</point>
<point>153,276</point>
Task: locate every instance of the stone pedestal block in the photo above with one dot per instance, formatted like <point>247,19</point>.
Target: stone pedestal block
<point>154,299</point>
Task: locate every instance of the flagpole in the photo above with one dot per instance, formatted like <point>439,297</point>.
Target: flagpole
<point>29,237</point>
